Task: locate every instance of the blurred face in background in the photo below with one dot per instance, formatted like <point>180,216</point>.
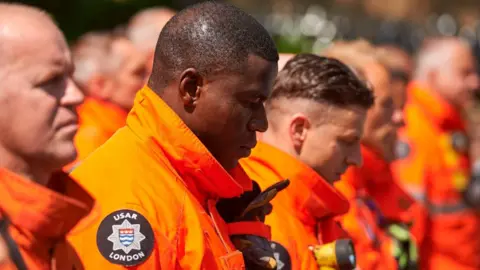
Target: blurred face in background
<point>384,119</point>
<point>130,75</point>
<point>110,69</point>
<point>456,77</point>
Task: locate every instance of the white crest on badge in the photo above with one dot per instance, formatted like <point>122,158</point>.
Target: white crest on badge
<point>280,264</point>
<point>126,237</point>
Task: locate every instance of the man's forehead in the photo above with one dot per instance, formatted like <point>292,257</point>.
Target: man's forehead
<point>39,55</point>
<point>350,118</point>
<point>462,56</point>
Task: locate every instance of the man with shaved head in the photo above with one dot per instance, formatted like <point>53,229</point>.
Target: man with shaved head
<point>38,123</point>
<point>144,28</point>
<point>158,180</point>
<point>110,71</point>
<point>433,163</point>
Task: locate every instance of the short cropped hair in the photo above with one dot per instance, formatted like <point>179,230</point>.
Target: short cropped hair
<point>210,37</point>
<point>321,79</point>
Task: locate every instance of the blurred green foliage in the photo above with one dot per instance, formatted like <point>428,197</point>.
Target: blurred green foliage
<point>293,45</point>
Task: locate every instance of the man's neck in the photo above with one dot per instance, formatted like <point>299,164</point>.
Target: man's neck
<point>20,166</point>
<point>273,139</point>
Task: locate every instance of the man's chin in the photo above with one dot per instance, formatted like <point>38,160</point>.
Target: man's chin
<point>64,158</point>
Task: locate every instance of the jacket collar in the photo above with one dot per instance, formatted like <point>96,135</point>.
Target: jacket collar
<point>444,115</point>
<point>50,212</point>
<point>310,194</point>
<point>155,123</point>
<point>374,180</point>
<point>109,116</point>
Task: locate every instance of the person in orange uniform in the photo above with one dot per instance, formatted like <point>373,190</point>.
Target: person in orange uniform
<point>316,114</point>
<point>143,30</point>
<point>376,200</point>
<point>109,71</point>
<point>158,180</point>
<point>433,160</point>
<point>39,204</point>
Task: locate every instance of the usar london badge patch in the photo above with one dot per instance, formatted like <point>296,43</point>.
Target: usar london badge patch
<point>125,237</point>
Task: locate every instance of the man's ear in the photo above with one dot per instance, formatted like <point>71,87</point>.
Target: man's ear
<point>298,129</point>
<point>190,86</point>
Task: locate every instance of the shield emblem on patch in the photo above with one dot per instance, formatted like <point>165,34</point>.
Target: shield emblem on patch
<point>126,236</point>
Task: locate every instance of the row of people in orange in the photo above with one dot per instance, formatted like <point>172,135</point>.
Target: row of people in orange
<point>315,126</point>
<point>317,115</point>
<point>434,164</point>
<point>379,208</point>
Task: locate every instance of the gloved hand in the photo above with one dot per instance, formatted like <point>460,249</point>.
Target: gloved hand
<point>404,249</point>
<point>252,206</point>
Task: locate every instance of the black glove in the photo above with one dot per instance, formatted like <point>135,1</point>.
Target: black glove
<point>252,206</point>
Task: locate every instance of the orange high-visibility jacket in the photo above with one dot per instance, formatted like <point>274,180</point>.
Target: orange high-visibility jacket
<point>40,218</point>
<point>434,168</point>
<point>303,213</point>
<point>157,186</point>
<point>98,121</point>
<point>375,176</point>
<point>373,195</point>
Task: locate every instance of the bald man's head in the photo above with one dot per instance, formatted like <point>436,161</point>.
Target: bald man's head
<point>92,56</point>
<point>37,94</point>
<point>109,67</point>
<point>19,21</point>
<point>447,66</point>
<point>145,26</point>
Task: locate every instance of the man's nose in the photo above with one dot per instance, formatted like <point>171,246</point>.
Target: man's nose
<point>259,122</point>
<point>73,96</point>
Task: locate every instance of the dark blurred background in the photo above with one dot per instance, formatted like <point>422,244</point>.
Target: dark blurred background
<point>298,25</point>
